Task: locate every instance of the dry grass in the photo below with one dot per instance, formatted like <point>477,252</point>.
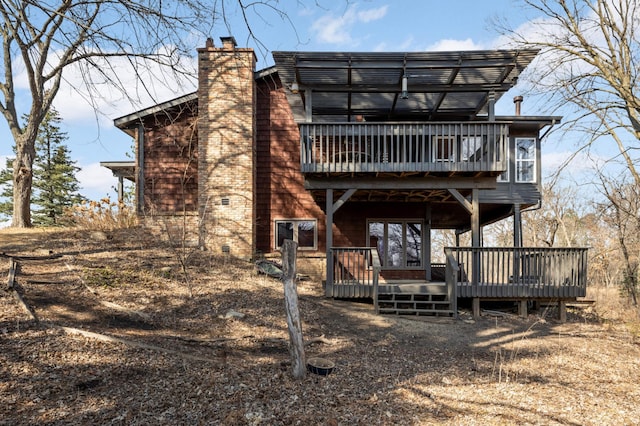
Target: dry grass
<point>214,369</point>
<point>102,215</point>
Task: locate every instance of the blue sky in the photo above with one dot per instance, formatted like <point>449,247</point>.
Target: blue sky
<point>366,25</point>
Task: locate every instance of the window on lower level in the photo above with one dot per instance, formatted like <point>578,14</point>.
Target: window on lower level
<point>302,231</point>
<point>525,160</point>
<point>399,243</point>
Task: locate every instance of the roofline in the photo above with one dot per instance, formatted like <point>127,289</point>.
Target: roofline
<point>125,121</point>
<point>265,72</point>
<point>542,118</point>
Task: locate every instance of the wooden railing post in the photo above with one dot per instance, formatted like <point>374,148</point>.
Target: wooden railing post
<point>452,272</point>
<point>375,262</point>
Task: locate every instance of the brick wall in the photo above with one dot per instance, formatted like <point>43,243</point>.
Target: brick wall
<point>280,192</point>
<point>226,129</point>
<point>175,229</point>
<point>171,162</point>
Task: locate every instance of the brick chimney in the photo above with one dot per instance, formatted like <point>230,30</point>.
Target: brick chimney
<point>226,154</point>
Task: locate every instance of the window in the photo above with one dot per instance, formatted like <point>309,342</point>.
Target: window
<point>399,243</point>
<point>525,160</point>
<point>471,149</point>
<point>444,148</point>
<point>302,231</point>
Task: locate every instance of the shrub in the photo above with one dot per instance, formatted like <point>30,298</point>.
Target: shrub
<point>102,215</point>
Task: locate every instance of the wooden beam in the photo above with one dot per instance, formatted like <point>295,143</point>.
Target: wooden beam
<point>462,200</point>
<point>343,199</point>
<point>368,183</point>
<point>394,88</point>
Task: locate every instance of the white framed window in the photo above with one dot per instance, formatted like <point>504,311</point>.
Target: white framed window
<point>471,148</point>
<point>443,148</point>
<point>399,242</point>
<point>302,231</point>
<point>525,160</point>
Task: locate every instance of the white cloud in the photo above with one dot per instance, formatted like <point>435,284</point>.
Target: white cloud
<point>571,163</point>
<point>96,181</point>
<point>372,14</point>
<point>334,29</point>
<point>447,45</point>
<point>87,96</point>
<point>81,95</point>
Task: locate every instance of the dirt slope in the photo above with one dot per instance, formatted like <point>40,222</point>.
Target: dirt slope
<point>211,348</point>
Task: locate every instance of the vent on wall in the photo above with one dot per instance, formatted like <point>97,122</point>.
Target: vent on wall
<point>225,201</point>
<point>226,249</point>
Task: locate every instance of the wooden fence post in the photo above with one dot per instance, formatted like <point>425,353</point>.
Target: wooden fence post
<point>296,346</point>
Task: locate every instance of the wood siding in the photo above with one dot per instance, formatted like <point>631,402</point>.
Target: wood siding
<point>280,192</point>
<point>170,165</point>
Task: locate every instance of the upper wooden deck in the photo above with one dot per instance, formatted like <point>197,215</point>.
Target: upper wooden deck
<point>466,148</point>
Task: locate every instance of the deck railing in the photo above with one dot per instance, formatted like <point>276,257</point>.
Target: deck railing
<point>356,271</point>
<point>495,272</point>
<point>403,147</point>
<point>452,276</point>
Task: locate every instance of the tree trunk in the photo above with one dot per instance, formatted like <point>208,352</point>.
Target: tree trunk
<point>294,323</point>
<point>22,180</point>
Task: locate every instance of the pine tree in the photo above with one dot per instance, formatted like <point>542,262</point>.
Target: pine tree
<point>6,190</point>
<point>55,186</point>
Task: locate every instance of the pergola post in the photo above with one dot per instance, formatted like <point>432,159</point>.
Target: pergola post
<point>475,234</point>
<point>329,243</point>
<point>517,226</point>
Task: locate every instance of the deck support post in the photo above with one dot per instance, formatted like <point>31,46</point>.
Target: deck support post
<point>517,226</point>
<point>475,234</point>
<point>427,237</point>
<point>522,308</point>
<point>475,307</point>
<point>562,311</point>
<point>329,242</point>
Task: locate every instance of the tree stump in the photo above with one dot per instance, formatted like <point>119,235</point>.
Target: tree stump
<point>296,346</point>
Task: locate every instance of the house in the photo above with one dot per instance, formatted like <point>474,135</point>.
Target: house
<point>357,156</point>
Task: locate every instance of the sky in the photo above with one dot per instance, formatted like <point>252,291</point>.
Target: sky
<point>334,25</point>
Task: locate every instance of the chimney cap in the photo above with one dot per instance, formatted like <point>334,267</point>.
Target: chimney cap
<point>517,99</point>
<point>229,41</point>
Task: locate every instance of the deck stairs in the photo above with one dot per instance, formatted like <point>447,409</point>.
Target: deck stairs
<point>414,298</point>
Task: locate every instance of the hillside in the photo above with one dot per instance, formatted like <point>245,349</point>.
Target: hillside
<point>125,337</point>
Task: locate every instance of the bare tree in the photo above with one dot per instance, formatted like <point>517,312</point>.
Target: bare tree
<point>98,38</point>
<point>621,212</point>
<point>589,66</point>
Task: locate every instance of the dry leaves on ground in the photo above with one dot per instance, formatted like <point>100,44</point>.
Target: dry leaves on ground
<point>211,348</point>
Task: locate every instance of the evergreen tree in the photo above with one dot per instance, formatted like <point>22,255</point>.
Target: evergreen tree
<point>6,189</point>
<point>55,186</point>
